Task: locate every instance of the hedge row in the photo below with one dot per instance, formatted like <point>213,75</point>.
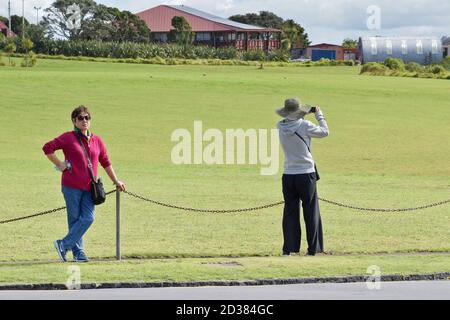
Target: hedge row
<point>174,61</point>
<point>131,50</point>
<point>148,51</point>
<point>397,68</point>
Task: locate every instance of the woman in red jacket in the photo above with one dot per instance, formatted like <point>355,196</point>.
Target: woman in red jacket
<point>76,179</point>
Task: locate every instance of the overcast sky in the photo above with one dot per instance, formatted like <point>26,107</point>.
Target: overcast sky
<point>325,20</point>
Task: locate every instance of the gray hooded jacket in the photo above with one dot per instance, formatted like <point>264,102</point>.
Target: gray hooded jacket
<point>298,159</point>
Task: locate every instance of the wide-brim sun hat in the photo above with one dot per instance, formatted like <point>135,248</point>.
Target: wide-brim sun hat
<point>293,109</point>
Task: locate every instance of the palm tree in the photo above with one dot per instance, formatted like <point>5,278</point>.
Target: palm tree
<point>291,33</point>
<point>295,35</point>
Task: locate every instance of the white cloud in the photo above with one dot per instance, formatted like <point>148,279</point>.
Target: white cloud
<point>324,20</point>
<point>225,5</point>
<point>30,12</point>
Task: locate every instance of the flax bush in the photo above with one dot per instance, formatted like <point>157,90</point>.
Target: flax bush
<point>397,68</point>
<point>395,64</point>
<point>126,50</point>
<point>446,63</point>
<point>374,68</point>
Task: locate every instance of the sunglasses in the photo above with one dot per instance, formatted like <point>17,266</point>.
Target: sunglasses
<point>81,118</point>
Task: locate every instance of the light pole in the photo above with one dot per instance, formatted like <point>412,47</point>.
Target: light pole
<point>23,19</point>
<point>9,17</point>
<point>37,13</point>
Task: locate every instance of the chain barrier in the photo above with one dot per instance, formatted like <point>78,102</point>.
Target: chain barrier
<point>167,205</point>
<point>41,213</point>
<point>432,205</point>
<point>32,216</point>
<point>203,210</point>
<point>282,202</point>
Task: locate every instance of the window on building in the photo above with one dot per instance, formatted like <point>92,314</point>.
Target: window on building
<point>203,36</point>
<point>255,36</point>
<point>404,47</point>
<point>161,37</point>
<point>419,46</point>
<point>389,47</point>
<point>374,46</point>
<point>275,36</point>
<point>231,36</point>
<point>434,47</point>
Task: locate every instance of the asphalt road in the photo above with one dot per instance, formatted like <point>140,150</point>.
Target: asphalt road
<point>421,290</point>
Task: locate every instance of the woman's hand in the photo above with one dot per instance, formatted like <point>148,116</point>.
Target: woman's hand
<point>121,186</point>
<point>318,111</point>
<point>62,166</point>
<point>112,175</point>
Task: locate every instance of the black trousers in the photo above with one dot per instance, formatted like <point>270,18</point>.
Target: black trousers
<point>296,188</point>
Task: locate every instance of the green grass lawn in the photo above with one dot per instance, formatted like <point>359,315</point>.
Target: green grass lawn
<point>183,270</point>
<point>387,148</point>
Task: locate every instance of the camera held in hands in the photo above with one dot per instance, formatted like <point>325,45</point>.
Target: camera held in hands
<point>308,108</point>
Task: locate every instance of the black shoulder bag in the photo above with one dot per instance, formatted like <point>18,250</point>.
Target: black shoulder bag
<point>315,167</point>
<point>97,189</point>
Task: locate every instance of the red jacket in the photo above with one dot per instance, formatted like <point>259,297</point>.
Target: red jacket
<point>78,176</point>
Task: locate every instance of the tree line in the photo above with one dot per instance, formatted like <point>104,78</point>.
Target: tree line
<point>293,34</point>
<point>103,23</point>
<point>100,24</point>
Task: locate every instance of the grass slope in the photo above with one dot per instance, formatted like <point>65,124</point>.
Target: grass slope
<point>386,149</point>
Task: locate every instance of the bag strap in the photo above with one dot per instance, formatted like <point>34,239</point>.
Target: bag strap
<point>315,166</point>
<point>304,142</point>
<point>89,165</point>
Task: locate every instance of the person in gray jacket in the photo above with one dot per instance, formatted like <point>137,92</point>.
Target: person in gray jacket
<point>300,176</point>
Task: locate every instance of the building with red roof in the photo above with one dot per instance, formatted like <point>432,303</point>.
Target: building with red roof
<point>209,29</point>
<point>5,30</point>
<point>325,50</point>
<point>332,52</point>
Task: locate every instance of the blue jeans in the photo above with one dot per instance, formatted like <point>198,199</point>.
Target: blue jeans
<point>80,216</point>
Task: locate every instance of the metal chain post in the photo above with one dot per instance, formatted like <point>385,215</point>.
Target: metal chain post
<point>118,253</point>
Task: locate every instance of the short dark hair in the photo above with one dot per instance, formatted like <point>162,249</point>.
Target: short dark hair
<point>80,110</point>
